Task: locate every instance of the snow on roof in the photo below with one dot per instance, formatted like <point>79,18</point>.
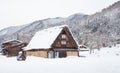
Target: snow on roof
<point>44,38</point>
<point>12,40</point>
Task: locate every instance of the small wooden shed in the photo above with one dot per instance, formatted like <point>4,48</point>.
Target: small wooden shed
<point>12,47</point>
<point>54,42</point>
<point>83,48</point>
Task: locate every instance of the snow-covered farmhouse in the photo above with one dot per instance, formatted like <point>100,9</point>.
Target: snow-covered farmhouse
<point>54,42</point>
<point>12,47</point>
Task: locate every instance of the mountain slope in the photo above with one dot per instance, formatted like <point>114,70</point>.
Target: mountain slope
<point>102,29</point>
<point>95,31</point>
<point>26,32</point>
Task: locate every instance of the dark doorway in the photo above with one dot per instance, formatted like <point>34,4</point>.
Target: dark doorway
<point>62,54</point>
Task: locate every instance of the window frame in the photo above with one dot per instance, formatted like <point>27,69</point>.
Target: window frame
<point>63,42</point>
<point>63,36</point>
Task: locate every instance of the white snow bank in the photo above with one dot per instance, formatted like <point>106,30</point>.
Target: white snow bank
<point>65,65</point>
<point>103,52</point>
<point>103,61</point>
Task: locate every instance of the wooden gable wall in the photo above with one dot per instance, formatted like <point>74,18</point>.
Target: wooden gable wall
<point>70,42</point>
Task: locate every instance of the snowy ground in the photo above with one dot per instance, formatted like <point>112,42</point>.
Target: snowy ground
<point>106,60</point>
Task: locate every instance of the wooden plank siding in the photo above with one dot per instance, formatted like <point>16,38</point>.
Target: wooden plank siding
<point>72,53</point>
<point>38,52</point>
<point>44,53</point>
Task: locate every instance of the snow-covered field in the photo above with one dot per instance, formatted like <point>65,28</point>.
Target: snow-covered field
<point>107,60</point>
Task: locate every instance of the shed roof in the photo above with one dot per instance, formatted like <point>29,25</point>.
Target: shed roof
<point>13,41</point>
<point>44,38</point>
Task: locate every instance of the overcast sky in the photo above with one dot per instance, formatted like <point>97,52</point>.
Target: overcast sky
<point>19,12</point>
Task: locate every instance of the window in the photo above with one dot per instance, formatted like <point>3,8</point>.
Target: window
<point>63,42</point>
<point>63,36</point>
